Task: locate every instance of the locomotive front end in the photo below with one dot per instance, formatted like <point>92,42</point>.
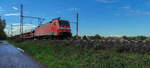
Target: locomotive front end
<point>64,29</point>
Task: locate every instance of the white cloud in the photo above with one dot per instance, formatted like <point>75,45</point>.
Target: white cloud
<point>16,29</point>
<point>1,10</point>
<point>8,32</point>
<point>129,11</point>
<point>117,14</point>
<point>132,12</point>
<point>15,24</point>
<point>146,13</point>
<point>115,35</point>
<point>73,9</point>
<point>128,14</point>
<point>12,14</point>
<point>137,11</point>
<point>15,8</point>
<point>0,7</point>
<point>58,12</point>
<point>125,7</point>
<point>108,1</point>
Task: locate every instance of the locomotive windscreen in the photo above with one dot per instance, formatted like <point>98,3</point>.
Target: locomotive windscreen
<point>64,23</point>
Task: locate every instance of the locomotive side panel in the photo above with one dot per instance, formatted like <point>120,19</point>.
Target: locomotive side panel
<point>42,30</point>
<point>47,29</point>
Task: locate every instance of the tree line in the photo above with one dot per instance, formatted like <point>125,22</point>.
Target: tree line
<point>99,37</point>
<point>2,27</point>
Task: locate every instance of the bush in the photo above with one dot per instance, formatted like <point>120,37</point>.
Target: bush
<point>2,27</point>
<point>96,37</point>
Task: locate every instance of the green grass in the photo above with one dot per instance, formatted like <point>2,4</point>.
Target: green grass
<point>67,55</point>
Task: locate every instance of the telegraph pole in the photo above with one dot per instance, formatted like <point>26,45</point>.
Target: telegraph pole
<point>11,29</point>
<point>77,26</point>
<point>40,20</point>
<point>21,21</point>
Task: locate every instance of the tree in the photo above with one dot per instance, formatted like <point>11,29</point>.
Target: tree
<point>125,37</point>
<point>85,37</point>
<point>141,38</point>
<point>97,36</point>
<point>2,27</point>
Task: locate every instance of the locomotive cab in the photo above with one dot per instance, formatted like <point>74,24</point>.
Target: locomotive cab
<point>64,28</point>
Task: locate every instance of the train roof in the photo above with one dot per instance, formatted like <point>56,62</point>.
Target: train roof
<point>52,21</point>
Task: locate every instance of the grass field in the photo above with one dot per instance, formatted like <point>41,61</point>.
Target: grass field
<point>56,54</point>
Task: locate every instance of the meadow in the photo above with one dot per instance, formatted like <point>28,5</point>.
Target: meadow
<point>65,54</point>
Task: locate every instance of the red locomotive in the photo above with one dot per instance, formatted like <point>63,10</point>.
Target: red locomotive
<point>56,29</point>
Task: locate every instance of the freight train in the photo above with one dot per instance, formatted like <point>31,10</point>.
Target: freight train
<point>55,29</point>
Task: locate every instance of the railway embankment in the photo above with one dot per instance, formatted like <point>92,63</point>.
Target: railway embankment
<point>89,54</point>
<point>132,46</point>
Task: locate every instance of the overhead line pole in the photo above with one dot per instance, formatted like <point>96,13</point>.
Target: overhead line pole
<point>77,26</point>
<point>11,30</point>
<point>21,21</point>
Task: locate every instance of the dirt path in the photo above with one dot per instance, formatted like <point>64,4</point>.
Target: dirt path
<point>11,57</point>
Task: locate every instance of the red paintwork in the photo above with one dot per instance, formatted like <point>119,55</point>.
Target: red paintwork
<point>50,28</point>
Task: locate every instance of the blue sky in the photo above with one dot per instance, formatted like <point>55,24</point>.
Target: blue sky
<point>104,17</point>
